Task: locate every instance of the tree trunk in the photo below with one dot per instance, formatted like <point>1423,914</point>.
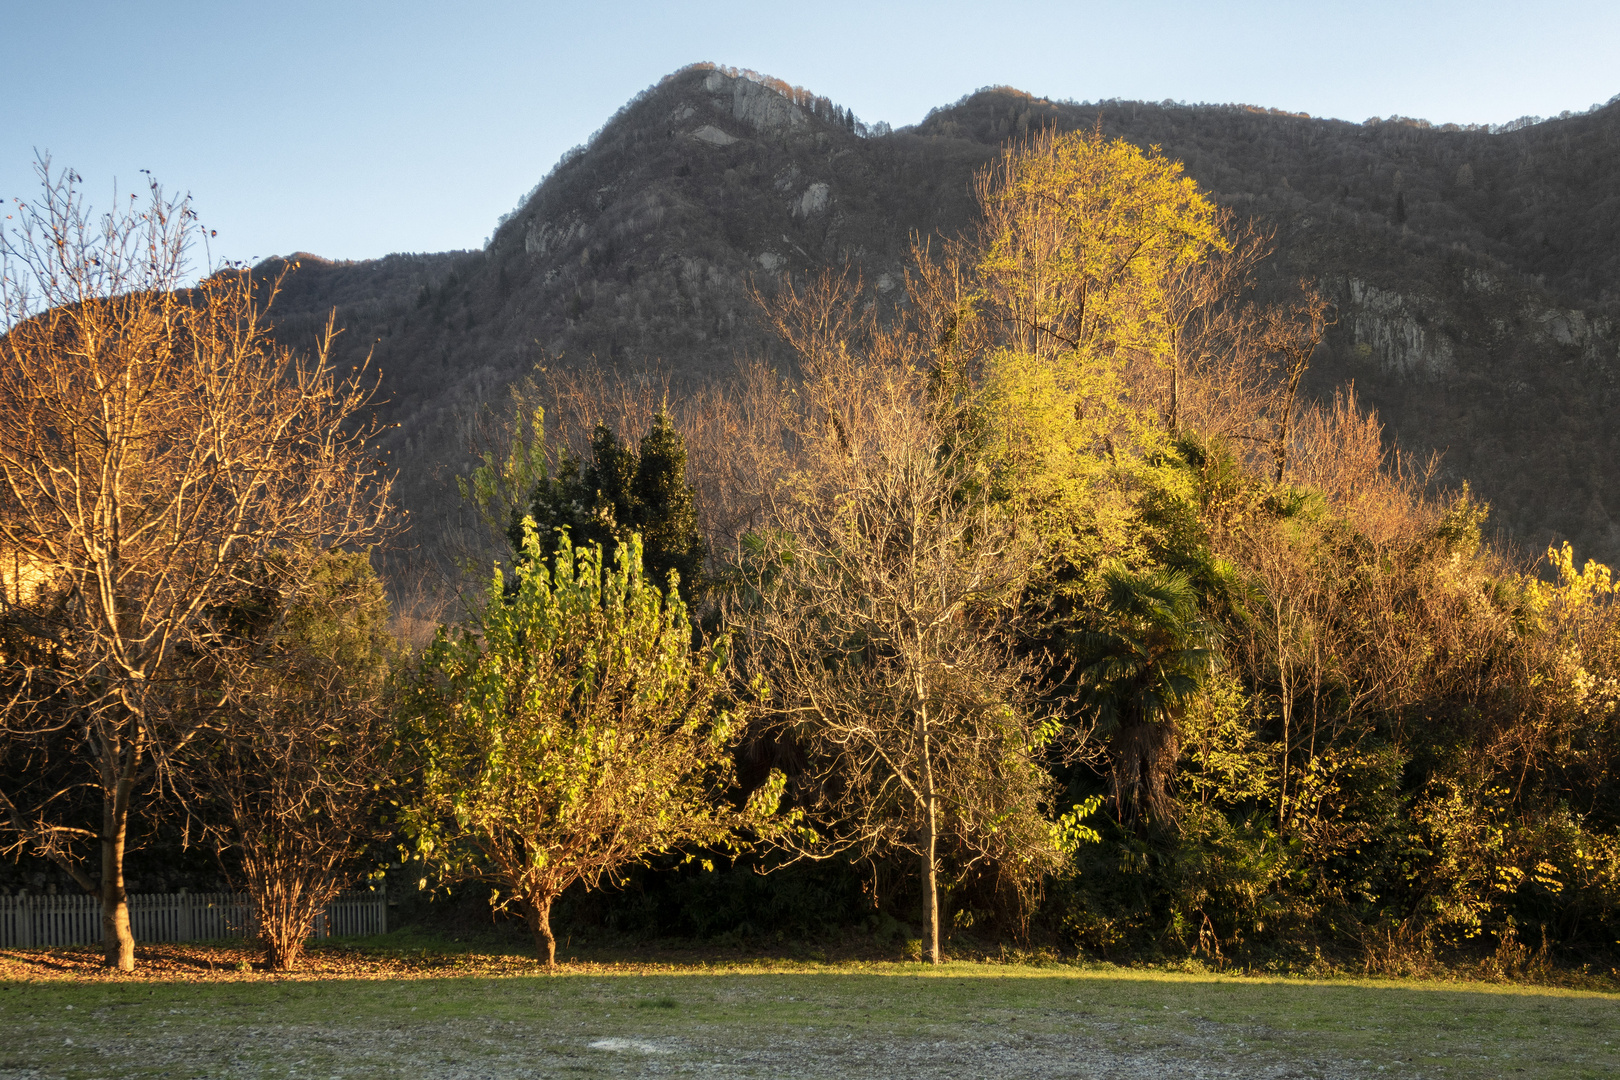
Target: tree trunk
<point>286,920</point>
<point>1287,750</point>
<point>1299,360</point>
<point>1175,395</point>
<point>116,934</point>
<point>930,867</point>
<point>931,889</point>
<point>545,943</point>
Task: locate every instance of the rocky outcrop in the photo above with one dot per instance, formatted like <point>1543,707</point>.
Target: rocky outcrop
<point>755,104</point>
<point>544,237</point>
<point>813,201</point>
<point>713,136</point>
<point>1411,336</point>
<point>1392,328</point>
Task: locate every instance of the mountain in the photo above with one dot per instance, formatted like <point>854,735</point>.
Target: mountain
<point>1476,272</point>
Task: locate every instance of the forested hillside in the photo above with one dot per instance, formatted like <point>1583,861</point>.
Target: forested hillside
<point>1474,272</point>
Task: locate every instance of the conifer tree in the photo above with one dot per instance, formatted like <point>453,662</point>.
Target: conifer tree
<point>668,507</point>
<point>620,491</point>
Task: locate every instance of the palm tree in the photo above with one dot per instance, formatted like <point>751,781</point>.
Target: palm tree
<point>1138,672</point>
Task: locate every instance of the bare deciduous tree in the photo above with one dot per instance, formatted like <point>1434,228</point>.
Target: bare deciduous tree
<point>875,604</point>
<point>156,452</point>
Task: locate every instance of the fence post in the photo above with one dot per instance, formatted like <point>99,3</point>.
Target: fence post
<point>25,921</point>
<point>382,908</point>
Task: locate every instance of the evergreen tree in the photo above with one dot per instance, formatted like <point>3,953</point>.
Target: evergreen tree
<point>1139,669</point>
<point>668,508</point>
<point>623,491</point>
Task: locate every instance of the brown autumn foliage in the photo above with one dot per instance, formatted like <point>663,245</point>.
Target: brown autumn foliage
<point>290,787</point>
<point>158,457</point>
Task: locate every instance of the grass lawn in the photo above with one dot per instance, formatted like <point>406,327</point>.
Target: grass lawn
<point>382,1011</point>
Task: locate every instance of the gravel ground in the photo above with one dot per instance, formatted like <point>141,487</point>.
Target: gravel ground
<point>452,1052</point>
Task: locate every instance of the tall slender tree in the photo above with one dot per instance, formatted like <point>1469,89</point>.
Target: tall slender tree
<point>876,606</point>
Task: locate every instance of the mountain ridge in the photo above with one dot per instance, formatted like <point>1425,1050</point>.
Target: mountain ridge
<point>1476,273</point>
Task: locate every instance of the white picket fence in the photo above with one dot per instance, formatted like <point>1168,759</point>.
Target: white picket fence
<point>38,922</point>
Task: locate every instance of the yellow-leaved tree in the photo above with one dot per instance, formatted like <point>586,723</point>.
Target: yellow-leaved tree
<point>1083,242</point>
<point>1086,269</point>
<point>1109,297</point>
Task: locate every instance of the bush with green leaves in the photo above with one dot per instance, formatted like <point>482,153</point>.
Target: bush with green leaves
<point>571,730</point>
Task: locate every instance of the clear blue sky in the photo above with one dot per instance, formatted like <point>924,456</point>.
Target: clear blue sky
<point>352,129</point>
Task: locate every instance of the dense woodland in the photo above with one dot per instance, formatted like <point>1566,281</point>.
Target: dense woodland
<point>1023,583</point>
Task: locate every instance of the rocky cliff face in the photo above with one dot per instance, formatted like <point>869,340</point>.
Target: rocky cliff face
<point>1396,330</point>
<point>1477,275</point>
<point>1513,389</point>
